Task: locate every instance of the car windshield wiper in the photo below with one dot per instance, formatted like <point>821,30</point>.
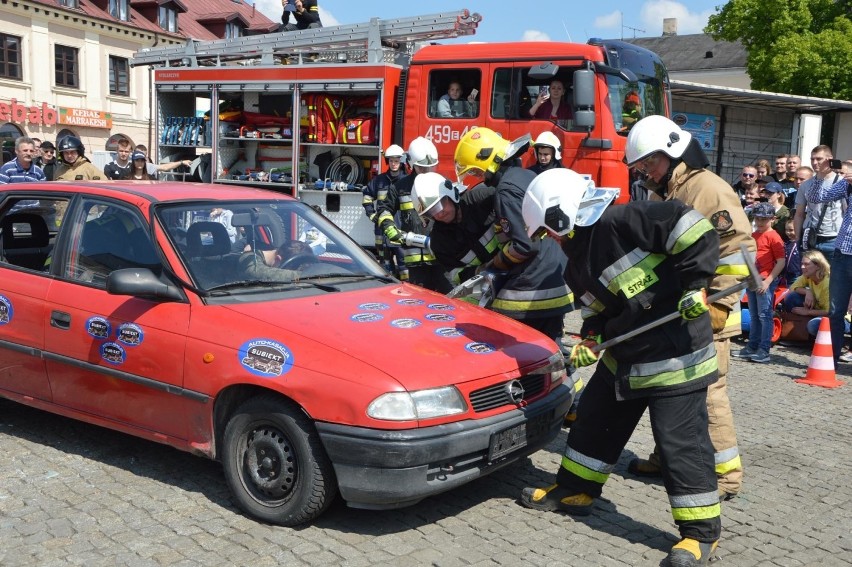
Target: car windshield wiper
<point>284,285</point>
<point>385,279</point>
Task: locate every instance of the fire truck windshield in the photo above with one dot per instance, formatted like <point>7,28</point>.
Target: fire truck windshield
<point>632,101</point>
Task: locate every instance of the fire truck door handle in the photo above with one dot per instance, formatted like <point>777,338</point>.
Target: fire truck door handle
<point>60,320</point>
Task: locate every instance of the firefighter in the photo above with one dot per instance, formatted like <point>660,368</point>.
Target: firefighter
<point>74,163</point>
<point>673,165</point>
<point>399,222</point>
<point>533,290</point>
<point>548,153</point>
<point>377,190</point>
<point>631,265</point>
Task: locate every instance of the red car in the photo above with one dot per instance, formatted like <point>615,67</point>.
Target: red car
<point>129,306</point>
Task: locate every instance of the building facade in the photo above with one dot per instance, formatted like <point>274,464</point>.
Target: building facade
<point>65,64</point>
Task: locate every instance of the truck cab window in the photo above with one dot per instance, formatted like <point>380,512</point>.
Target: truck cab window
<point>454,93</point>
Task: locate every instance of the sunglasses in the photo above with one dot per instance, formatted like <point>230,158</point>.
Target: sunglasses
<point>749,175</point>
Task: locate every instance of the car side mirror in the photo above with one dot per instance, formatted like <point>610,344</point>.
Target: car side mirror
<point>141,282</point>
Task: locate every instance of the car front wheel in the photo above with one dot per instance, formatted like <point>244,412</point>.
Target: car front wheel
<point>275,464</point>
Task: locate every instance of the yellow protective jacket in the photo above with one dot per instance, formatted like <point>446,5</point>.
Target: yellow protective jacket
<point>711,196</point>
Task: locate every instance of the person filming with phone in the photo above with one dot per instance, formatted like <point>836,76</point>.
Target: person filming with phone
<point>551,103</point>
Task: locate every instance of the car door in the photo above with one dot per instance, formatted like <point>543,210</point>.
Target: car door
<point>119,358</point>
<point>27,234</point>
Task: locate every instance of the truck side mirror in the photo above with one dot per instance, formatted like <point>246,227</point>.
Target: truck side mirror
<point>584,98</point>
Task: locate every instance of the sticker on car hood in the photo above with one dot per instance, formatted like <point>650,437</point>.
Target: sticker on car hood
<point>265,357</point>
<point>6,311</point>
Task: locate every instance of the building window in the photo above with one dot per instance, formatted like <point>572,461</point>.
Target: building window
<point>233,30</point>
<point>70,3</point>
<point>119,76</point>
<point>10,56</point>
<point>119,9</point>
<point>168,19</point>
<point>67,73</point>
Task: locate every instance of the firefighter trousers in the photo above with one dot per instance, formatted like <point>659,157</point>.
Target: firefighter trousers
<point>679,423</point>
<point>723,433</point>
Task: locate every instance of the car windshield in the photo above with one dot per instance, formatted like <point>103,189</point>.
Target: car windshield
<point>241,246</point>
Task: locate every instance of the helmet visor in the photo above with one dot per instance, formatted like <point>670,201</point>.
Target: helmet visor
<point>593,204</point>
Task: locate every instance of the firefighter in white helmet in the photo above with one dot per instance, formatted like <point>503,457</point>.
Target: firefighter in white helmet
<point>377,190</point>
<point>548,153</point>
<point>673,166</point>
<point>533,290</point>
<point>630,265</point>
<point>402,226</point>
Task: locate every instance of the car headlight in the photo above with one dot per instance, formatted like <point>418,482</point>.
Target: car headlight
<point>422,404</point>
<point>555,369</point>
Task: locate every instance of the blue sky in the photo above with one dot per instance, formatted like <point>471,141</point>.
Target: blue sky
<point>556,20</point>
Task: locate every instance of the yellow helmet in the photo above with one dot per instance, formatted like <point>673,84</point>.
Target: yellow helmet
<point>480,150</point>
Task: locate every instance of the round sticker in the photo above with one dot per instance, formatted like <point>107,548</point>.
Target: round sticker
<point>113,353</point>
<point>410,301</point>
<point>265,357</point>
<point>6,311</point>
<point>374,306</point>
<point>129,334</point>
<point>479,348</point>
<point>366,317</point>
<point>440,317</point>
<point>441,307</point>
<point>405,323</point>
<point>98,327</point>
<point>448,332</point>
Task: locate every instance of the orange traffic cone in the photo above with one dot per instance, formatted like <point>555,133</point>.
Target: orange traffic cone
<point>821,365</point>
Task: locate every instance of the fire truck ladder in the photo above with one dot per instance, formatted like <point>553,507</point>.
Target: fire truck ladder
<point>373,36</point>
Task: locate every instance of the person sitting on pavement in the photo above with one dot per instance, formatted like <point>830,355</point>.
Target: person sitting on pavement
<point>808,295</point>
<point>608,250</point>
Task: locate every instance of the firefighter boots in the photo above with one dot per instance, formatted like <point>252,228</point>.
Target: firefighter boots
<point>691,553</point>
<point>644,467</point>
<point>556,499</point>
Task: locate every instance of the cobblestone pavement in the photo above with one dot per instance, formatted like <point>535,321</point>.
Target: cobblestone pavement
<point>75,494</point>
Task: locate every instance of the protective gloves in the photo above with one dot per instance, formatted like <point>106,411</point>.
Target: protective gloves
<point>718,317</point>
<point>394,235</point>
<point>582,353</point>
<point>693,304</point>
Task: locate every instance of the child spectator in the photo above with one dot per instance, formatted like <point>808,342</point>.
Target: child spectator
<point>808,295</point>
<point>792,255</point>
<point>770,263</point>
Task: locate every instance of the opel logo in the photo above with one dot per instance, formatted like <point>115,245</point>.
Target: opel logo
<point>515,391</point>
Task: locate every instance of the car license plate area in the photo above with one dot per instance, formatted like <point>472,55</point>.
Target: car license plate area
<point>516,437</point>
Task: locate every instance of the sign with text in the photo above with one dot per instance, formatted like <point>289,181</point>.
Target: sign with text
<point>84,117</point>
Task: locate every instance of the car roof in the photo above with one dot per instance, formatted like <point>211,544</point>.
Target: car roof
<point>153,191</point>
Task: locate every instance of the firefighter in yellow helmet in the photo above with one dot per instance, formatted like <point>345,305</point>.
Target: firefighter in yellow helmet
<point>631,265</point>
<point>533,290</point>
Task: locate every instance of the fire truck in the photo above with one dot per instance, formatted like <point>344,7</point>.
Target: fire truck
<point>309,112</point>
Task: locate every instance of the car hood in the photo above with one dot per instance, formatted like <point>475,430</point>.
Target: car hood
<point>415,336</point>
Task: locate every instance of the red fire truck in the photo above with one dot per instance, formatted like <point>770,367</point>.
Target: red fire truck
<point>309,112</point>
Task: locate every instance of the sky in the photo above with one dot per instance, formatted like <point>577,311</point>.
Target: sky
<point>545,20</point>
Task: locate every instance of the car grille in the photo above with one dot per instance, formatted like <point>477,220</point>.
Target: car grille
<point>497,395</point>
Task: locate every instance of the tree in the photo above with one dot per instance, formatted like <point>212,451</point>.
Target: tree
<point>801,47</point>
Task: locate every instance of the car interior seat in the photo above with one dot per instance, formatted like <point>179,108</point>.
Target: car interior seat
<point>208,248</point>
<point>26,240</point>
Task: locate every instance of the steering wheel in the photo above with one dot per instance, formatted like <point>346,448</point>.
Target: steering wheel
<point>294,262</point>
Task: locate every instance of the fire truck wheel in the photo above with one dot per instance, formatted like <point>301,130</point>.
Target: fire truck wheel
<point>296,261</point>
<point>275,464</point>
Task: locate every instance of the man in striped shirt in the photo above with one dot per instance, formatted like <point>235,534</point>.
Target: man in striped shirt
<point>22,169</point>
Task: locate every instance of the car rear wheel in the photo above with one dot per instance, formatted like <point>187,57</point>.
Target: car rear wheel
<point>275,464</point>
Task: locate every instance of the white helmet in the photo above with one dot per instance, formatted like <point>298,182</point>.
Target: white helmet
<point>549,139</point>
<point>559,199</point>
<point>395,151</point>
<point>422,152</point>
<point>429,188</point>
<point>655,134</point>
